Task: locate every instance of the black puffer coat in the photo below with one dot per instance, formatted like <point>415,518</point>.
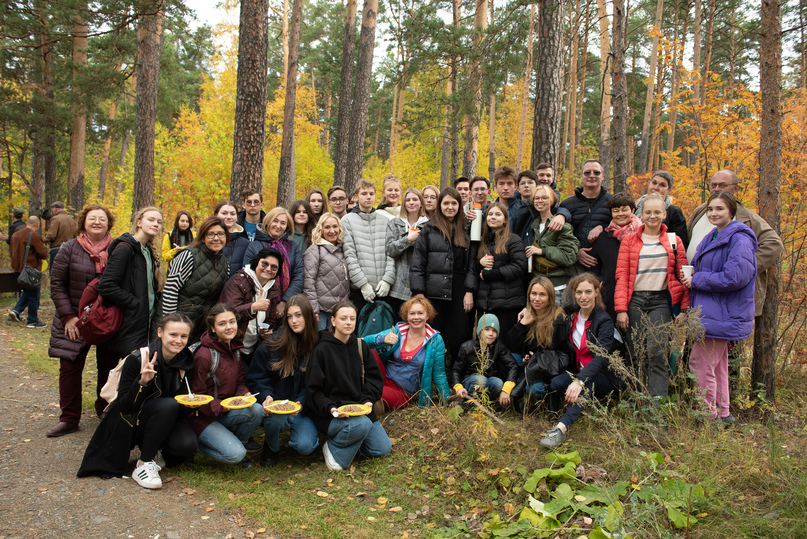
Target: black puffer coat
<point>72,271</point>
<point>125,283</point>
<point>432,267</point>
<point>503,284</point>
<point>580,206</point>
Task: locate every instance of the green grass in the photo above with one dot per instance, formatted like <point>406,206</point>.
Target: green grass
<point>451,475</point>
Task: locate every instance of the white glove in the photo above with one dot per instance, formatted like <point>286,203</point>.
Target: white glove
<point>367,293</point>
<point>382,289</point>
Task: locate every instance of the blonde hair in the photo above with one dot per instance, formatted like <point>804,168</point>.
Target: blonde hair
<point>388,179</point>
<point>543,328</point>
<point>273,214</point>
<point>416,191</point>
<point>155,252</point>
<point>553,197</point>
<point>316,234</point>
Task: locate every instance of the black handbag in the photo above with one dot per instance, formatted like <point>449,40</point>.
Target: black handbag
<point>545,365</point>
<point>29,278</point>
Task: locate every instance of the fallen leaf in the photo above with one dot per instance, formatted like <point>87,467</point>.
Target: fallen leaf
<point>434,431</point>
<point>411,516</point>
<point>206,517</point>
<point>509,508</point>
<point>208,509</point>
<point>27,440</point>
<point>450,480</point>
<point>188,491</point>
<point>249,534</point>
<point>634,479</point>
<point>587,521</point>
<point>382,501</point>
<point>231,496</point>
<point>358,494</point>
<point>580,498</point>
<point>322,494</point>
<point>42,489</point>
<point>371,519</point>
<point>260,530</point>
<point>396,509</point>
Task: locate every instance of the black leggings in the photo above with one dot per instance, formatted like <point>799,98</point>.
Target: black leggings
<point>160,428</point>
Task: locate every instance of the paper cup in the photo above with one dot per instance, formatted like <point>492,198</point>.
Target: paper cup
<point>687,271</point>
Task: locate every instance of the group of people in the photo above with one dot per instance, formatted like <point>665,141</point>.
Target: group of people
<point>266,305</point>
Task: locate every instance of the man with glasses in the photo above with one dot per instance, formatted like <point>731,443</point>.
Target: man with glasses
<point>479,193</point>
<point>251,217</point>
<point>769,248</point>
<point>661,183</point>
<point>589,210</point>
<point>337,199</point>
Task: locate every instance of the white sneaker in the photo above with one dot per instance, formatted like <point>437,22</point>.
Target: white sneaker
<point>329,460</point>
<point>147,475</point>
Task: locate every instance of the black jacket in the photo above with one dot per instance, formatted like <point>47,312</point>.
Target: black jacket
<point>242,216</point>
<point>580,206</point>
<point>499,359</point>
<point>263,380</point>
<point>503,285</point>
<point>107,454</point>
<point>432,269</point>
<point>517,341</point>
<point>338,375</point>
<point>15,226</point>
<point>676,222</point>
<point>125,283</point>
<point>606,251</point>
<point>601,332</point>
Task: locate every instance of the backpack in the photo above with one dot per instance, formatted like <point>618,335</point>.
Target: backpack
<point>97,322</point>
<point>110,390</point>
<point>374,318</point>
<point>215,359</point>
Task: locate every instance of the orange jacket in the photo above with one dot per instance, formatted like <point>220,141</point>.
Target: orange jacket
<point>628,262</point>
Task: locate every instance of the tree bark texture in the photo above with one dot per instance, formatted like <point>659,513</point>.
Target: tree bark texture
<point>149,51</point>
<point>345,95</point>
<point>571,88</point>
<point>455,114</point>
<point>525,92</point>
<point>696,86</point>
<point>581,95</point>
<point>250,99</point>
<point>548,90</point>
<point>78,125</point>
<point>619,125</point>
<point>326,131</point>
<point>104,173</point>
<point>445,154</point>
<point>285,179</point>
<point>676,77</point>
<point>471,154</point>
<point>46,139</point>
<point>648,99</point>
<point>655,133</point>
<point>605,105</point>
<point>361,96</point>
<point>763,366</point>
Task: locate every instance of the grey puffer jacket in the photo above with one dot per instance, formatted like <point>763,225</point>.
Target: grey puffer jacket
<point>365,237</point>
<point>327,281</point>
<point>399,248</point>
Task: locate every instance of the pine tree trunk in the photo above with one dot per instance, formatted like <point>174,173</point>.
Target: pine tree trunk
<point>361,96</point>
<point>285,178</point>
<point>676,74</point>
<point>47,138</point>
<point>564,141</point>
<point>571,111</point>
<point>619,147</point>
<point>492,122</point>
<point>548,91</point>
<point>696,86</point>
<point>102,176</point>
<point>345,95</point>
<point>648,100</point>
<point>471,154</point>
<point>655,133</point>
<point>149,51</point>
<point>78,125</point>
<point>605,106</point>
<point>525,92</point>
<point>250,99</point>
<point>392,144</point>
<point>284,37</point>
<point>707,61</point>
<point>455,113</point>
<point>445,154</point>
<point>763,366</point>
<point>803,47</point>
<point>581,95</point>
<point>733,44</point>
<point>326,132</point>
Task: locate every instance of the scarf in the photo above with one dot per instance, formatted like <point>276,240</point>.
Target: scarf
<point>261,291</point>
<point>622,231</point>
<point>97,251</point>
<point>283,245</point>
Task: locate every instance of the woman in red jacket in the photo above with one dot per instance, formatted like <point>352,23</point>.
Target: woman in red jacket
<point>647,291</point>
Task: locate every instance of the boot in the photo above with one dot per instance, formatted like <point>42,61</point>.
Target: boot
<point>268,457</point>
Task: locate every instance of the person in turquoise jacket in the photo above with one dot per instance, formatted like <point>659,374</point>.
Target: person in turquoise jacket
<point>412,357</point>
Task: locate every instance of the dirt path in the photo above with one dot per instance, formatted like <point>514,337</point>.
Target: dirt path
<point>41,497</point>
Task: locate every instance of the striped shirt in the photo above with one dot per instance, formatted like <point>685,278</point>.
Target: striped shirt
<point>651,273</point>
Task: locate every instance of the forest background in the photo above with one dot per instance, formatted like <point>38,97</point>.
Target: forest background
<point>456,88</point>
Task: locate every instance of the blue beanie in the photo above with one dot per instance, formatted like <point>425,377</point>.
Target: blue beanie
<point>487,321</point>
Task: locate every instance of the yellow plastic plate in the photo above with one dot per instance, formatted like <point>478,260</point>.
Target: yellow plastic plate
<point>364,409</point>
<point>275,404</point>
<point>249,402</point>
<point>182,399</point>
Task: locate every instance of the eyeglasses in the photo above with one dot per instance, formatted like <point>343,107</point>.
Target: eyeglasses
<point>212,235</point>
<point>264,264</point>
<point>720,185</point>
<point>592,172</point>
<point>429,197</point>
<point>337,199</point>
<point>97,219</point>
<point>252,202</point>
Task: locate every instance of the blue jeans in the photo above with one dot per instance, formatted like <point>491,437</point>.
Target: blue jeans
<point>30,299</point>
<point>597,386</point>
<point>51,256</point>
<point>347,436</point>
<point>536,390</point>
<point>476,383</point>
<point>303,432</point>
<point>224,439</point>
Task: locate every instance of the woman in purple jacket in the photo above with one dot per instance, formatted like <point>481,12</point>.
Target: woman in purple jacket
<point>722,285</point>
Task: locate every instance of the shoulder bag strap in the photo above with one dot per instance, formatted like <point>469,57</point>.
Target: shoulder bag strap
<point>27,248</point>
